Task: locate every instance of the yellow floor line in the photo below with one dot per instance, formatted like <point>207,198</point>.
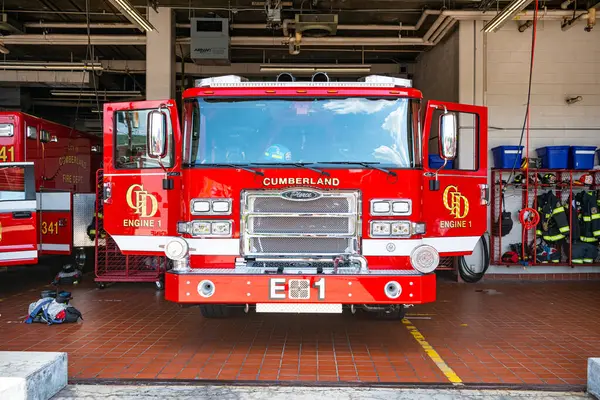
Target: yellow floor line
<point>430,351</point>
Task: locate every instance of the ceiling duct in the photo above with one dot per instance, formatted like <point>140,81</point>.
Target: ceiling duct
<point>316,25</point>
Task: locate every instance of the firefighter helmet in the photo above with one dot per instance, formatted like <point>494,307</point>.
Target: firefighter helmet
<point>549,179</point>
<point>519,178</point>
<point>586,179</point>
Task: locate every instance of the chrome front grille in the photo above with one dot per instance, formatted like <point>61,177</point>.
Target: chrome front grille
<point>275,225</point>
<point>276,205</point>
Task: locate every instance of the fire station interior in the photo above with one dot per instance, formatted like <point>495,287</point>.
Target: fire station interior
<point>503,154</point>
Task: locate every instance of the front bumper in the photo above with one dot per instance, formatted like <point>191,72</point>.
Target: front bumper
<point>231,287</point>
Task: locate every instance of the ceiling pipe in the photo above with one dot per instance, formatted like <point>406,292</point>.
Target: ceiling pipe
<point>79,25</point>
<point>442,29</point>
<point>75,40</point>
<point>436,24</point>
<point>445,31</point>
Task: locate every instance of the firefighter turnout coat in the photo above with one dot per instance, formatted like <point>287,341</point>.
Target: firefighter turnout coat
<point>588,218</point>
<point>554,222</point>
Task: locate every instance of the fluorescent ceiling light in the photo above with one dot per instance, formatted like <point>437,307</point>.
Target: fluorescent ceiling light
<point>133,15</point>
<point>505,15</point>
<point>100,93</point>
<point>50,66</point>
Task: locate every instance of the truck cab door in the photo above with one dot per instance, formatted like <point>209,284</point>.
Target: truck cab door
<point>455,197</point>
<point>141,190</point>
<point>18,216</point>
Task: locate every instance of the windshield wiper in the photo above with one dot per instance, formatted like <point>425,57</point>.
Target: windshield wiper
<point>370,165</point>
<point>300,165</point>
<point>239,166</point>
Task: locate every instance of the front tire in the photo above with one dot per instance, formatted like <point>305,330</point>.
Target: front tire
<point>214,310</point>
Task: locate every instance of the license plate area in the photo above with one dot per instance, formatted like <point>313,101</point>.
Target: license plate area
<point>299,308</point>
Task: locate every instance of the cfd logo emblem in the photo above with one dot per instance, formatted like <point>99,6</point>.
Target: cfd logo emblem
<point>455,202</point>
<point>144,203</point>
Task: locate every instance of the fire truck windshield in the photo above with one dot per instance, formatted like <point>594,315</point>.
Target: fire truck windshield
<point>302,130</point>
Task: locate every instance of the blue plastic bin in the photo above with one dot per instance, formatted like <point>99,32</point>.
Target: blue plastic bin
<point>436,162</point>
<point>582,157</point>
<point>554,157</point>
<point>505,156</point>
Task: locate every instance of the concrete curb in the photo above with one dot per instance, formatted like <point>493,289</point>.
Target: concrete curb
<point>593,377</point>
<point>32,375</point>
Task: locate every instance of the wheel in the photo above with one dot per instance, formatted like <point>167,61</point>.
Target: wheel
<point>214,310</point>
<point>160,284</point>
<point>101,285</point>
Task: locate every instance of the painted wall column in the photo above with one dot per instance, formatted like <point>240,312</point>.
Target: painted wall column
<point>160,55</point>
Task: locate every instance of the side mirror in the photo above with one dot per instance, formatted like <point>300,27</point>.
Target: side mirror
<point>157,134</point>
<point>448,135</point>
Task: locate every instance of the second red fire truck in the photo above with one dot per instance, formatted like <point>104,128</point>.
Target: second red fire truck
<point>293,196</point>
<point>47,189</point>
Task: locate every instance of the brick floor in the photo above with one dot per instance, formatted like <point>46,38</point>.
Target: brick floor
<point>491,333</point>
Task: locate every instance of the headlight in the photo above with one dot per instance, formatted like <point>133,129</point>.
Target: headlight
<point>211,206</point>
<point>391,207</point>
<point>219,206</point>
<point>380,207</point>
<point>176,249</point>
<point>401,228</point>
<point>425,259</point>
<point>380,229</point>
<point>200,228</point>
<point>201,206</point>
<point>221,228</point>
<point>401,207</point>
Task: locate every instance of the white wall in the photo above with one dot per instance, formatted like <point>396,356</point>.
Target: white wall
<point>566,64</point>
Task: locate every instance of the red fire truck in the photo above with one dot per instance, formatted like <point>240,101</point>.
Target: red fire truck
<point>47,189</point>
<point>293,196</point>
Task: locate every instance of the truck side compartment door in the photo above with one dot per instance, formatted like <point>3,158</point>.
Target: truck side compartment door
<point>141,192</point>
<point>18,215</point>
<point>456,204</point>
